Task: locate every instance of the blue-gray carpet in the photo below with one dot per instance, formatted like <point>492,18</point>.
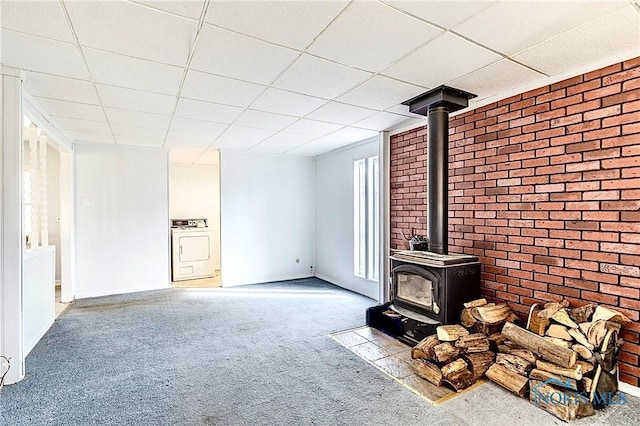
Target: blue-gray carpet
<point>254,355</point>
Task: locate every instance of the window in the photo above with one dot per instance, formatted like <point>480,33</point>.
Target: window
<point>366,218</point>
<point>27,206</point>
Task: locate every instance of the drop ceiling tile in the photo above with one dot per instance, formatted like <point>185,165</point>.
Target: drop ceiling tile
<point>447,13</point>
<point>139,141</point>
<point>71,109</point>
<point>183,156</point>
<point>434,63</point>
<point>264,120</point>
<point>335,112</point>
<point>260,62</point>
<point>133,73</point>
<point>380,92</point>
<point>213,130</point>
<point>85,126</point>
<point>404,110</point>
<point>495,78</point>
<point>130,29</point>
<point>611,35</point>
<point>135,100</point>
<point>530,22</point>
<point>318,77</point>
<point>370,35</point>
<point>39,54</point>
<point>136,118</point>
<point>198,110</point>
<point>289,23</point>
<point>385,121</point>
<point>206,87</point>
<point>242,138</point>
<point>281,143</point>
<point>41,18</point>
<point>287,103</point>
<point>121,131</point>
<point>336,140</point>
<point>53,87</point>
<point>313,128</point>
<point>186,8</point>
<point>89,137</point>
<point>210,157</point>
<point>187,140</point>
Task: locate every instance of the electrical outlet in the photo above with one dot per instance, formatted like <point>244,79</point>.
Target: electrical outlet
<point>311,269</point>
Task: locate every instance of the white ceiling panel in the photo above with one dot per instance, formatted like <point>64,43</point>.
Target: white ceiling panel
<point>530,22</point>
<point>264,120</point>
<point>135,100</point>
<point>385,121</point>
<point>318,77</point>
<point>133,73</point>
<point>42,18</point>
<point>433,64</point>
<point>380,92</point>
<point>140,31</point>
<point>39,54</point>
<point>404,110</point>
<point>333,141</point>
<point>186,8</point>
<point>72,109</point>
<point>446,13</point>
<point>335,112</point>
<point>136,118</point>
<point>281,143</point>
<point>313,128</point>
<point>188,140</point>
<point>492,79</point>
<point>206,87</point>
<point>218,52</point>
<point>242,138</point>
<point>124,131</point>
<point>90,137</point>
<point>139,141</point>
<point>289,23</point>
<point>85,126</point>
<point>616,32</point>
<point>183,156</point>
<point>287,103</point>
<point>199,110</point>
<point>213,130</point>
<point>54,87</point>
<point>361,36</point>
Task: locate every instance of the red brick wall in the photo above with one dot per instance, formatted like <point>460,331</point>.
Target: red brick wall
<point>545,188</point>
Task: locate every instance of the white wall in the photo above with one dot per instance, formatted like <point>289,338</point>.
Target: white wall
<point>194,193</point>
<point>122,219</point>
<point>38,303</point>
<point>53,202</point>
<point>334,217</point>
<point>267,217</point>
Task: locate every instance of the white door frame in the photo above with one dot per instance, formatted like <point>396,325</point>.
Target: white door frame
<point>385,215</point>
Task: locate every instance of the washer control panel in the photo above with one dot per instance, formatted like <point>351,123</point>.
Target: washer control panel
<point>188,223</point>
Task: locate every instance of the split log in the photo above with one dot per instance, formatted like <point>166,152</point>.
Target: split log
<point>574,372</point>
<point>445,352</point>
<point>582,313</point>
<point>587,367</point>
<point>563,382</point>
<point>461,380</point>
<point>493,314</point>
<point>596,333</point>
<point>602,313</point>
<point>564,357</point>
<point>525,354</point>
<point>477,342</point>
<point>565,408</point>
<point>562,317</point>
<point>507,379</point>
<point>451,333</point>
<point>559,342</point>
<point>584,327</point>
<point>495,340</point>
<point>551,308</point>
<point>586,384</point>
<point>479,362</point>
<point>538,324</point>
<point>512,317</point>
<point>467,319</point>
<point>454,367</point>
<point>427,370</point>
<point>582,351</point>
<point>514,363</point>
<point>475,303</point>
<point>559,332</point>
<point>424,349</point>
<point>580,338</point>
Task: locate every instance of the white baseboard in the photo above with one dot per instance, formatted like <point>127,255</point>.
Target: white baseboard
<point>629,389</point>
<point>113,292</point>
<point>346,286</point>
<point>265,280</point>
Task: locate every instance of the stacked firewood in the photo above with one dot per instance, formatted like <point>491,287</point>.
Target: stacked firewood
<point>556,356</point>
<point>458,356</point>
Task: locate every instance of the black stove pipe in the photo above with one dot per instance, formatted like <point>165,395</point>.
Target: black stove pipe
<point>438,179</point>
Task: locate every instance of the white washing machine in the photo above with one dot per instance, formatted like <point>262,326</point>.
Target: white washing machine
<point>191,249</point>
